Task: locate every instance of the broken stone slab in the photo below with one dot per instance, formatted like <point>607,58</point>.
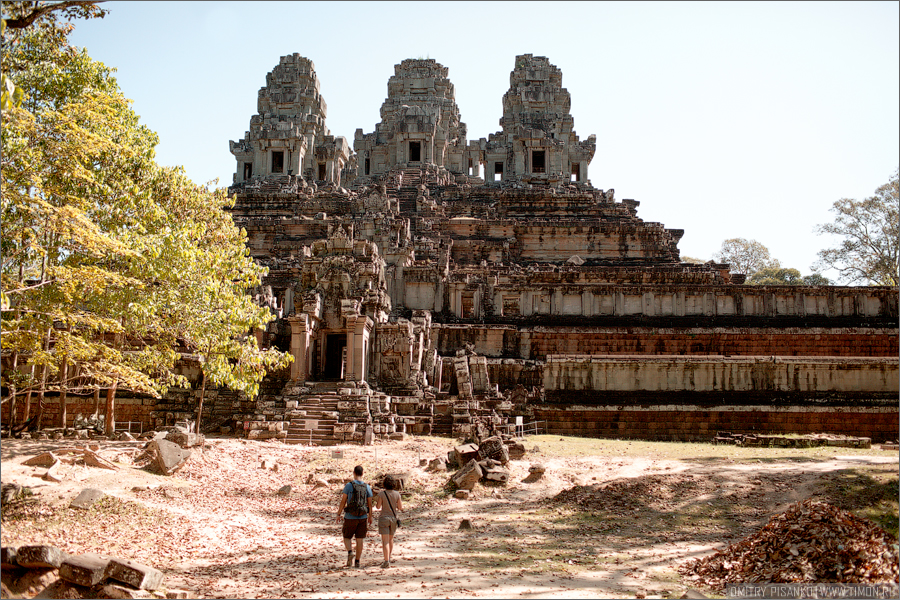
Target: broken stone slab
<point>86,498</point>
<point>93,459</point>
<point>465,524</point>
<point>285,490</point>
<point>537,469</point>
<point>135,574</point>
<point>462,494</point>
<point>168,457</point>
<point>85,569</point>
<point>44,459</point>
<point>40,557</point>
<point>468,476</point>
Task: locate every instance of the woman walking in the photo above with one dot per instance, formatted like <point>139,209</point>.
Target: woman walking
<point>389,503</point>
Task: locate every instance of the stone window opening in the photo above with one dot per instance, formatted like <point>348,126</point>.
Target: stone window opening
<point>415,151</point>
<point>321,171</point>
<point>368,165</point>
<point>498,171</point>
<point>468,305</point>
<point>538,161</point>
<point>576,172</point>
<point>471,169</point>
<point>278,161</point>
<point>248,170</point>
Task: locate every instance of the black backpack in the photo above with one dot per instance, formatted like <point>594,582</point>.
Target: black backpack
<point>356,503</point>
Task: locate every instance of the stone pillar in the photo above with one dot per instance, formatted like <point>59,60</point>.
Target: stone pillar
<point>300,332</point>
<point>359,331</point>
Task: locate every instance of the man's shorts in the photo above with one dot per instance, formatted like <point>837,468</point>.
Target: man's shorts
<point>387,525</point>
<point>355,527</point>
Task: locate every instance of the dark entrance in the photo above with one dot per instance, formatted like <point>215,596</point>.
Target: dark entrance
<point>415,151</point>
<point>334,355</point>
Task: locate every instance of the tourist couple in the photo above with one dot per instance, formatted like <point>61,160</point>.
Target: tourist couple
<point>356,506</point>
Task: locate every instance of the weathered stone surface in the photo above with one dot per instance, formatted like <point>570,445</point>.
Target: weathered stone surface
<point>168,457</point>
<point>185,439</point>
<point>465,524</point>
<point>39,557</point>
<point>86,498</point>
<point>437,465</point>
<point>84,569</point>
<point>135,574</point>
<point>493,448</point>
<point>285,490</point>
<point>537,468</point>
<point>468,476</point>
<point>462,494</point>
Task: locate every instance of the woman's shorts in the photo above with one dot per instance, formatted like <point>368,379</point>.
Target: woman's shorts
<point>357,527</point>
<point>387,525</point>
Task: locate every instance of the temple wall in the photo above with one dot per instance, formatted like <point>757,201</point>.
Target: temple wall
<point>804,375</point>
<point>536,343</point>
<point>689,422</point>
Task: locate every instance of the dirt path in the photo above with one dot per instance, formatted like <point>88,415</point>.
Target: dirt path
<point>220,529</point>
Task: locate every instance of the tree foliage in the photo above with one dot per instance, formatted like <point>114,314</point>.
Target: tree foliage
<point>745,256</point>
<point>869,251</point>
<point>111,264</point>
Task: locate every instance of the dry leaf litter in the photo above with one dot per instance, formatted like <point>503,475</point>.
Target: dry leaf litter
<point>811,542</point>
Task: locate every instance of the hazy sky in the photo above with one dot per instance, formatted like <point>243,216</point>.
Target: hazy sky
<point>722,119</point>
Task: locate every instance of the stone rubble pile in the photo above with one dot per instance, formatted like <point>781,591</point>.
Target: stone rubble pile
<point>48,572</point>
<point>484,462</point>
<point>811,542</point>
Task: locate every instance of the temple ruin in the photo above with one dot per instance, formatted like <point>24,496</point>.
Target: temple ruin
<point>426,283</point>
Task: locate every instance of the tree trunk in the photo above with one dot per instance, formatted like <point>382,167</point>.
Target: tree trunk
<point>27,414</point>
<point>12,391</point>
<point>111,409</point>
<point>200,408</point>
<point>40,411</point>
<point>96,401</point>
<point>63,376</point>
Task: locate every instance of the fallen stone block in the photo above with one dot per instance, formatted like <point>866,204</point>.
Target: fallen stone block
<point>462,494</point>
<point>135,574</point>
<point>537,469</point>
<point>437,465</point>
<point>465,524</point>
<point>44,459</point>
<point>40,557</point>
<point>516,450</point>
<point>168,457</point>
<point>494,448</point>
<point>185,439</point>
<point>285,490</point>
<point>86,498</point>
<point>498,474</point>
<point>468,476</point>
<point>85,569</point>
<point>8,556</point>
<point>178,594</point>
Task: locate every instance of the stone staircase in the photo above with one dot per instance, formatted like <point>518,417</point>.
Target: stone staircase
<point>315,402</point>
<point>408,191</point>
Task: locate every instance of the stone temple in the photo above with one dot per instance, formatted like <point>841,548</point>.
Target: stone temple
<point>427,283</point>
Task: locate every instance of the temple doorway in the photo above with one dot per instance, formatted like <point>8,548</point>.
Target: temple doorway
<point>335,344</point>
<point>415,151</point>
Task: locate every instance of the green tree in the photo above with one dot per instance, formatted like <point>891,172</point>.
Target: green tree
<point>776,276</point>
<point>111,264</point>
<point>870,249</point>
<point>745,256</point>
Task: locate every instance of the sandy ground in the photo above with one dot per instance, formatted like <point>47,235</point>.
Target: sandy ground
<point>226,532</point>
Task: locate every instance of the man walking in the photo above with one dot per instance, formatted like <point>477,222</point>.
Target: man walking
<point>356,506</point>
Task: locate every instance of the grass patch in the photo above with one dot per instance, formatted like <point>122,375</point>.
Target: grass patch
<point>870,492</point>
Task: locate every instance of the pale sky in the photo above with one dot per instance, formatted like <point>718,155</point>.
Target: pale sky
<point>723,119</point>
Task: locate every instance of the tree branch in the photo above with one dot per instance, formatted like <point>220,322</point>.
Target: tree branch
<point>40,11</point>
